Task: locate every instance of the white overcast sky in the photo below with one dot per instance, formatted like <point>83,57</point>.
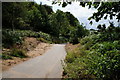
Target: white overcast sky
<point>81,13</point>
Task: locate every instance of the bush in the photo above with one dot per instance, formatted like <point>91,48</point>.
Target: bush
<point>18,53</point>
<point>104,59</point>
<point>9,37</point>
<point>99,57</point>
<point>14,53</point>
<point>6,56</point>
<point>70,57</point>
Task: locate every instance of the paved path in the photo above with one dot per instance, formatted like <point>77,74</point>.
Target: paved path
<point>46,66</point>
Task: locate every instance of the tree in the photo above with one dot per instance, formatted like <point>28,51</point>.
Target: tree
<point>72,20</point>
<point>53,25</point>
<point>104,9</point>
<point>30,15</point>
<point>59,23</point>
<point>14,14</point>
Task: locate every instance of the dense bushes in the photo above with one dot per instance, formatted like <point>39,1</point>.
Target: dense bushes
<point>99,57</point>
<point>103,60</point>
<point>9,37</point>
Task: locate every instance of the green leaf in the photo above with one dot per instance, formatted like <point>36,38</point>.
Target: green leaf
<point>91,22</point>
<point>64,4</point>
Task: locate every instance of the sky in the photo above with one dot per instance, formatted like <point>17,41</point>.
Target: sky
<point>81,13</point>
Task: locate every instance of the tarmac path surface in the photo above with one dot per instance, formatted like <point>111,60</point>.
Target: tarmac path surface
<point>48,65</point>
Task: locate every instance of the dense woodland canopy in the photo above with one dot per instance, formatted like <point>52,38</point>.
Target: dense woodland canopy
<point>32,16</point>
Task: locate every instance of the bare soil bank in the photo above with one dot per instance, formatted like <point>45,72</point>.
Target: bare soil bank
<point>34,48</point>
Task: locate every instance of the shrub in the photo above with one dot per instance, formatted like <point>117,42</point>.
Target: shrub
<point>9,37</point>
<point>70,57</point>
<point>18,53</point>
<point>6,56</point>
<point>99,57</point>
<point>104,59</point>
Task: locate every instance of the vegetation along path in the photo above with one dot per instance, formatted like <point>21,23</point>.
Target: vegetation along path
<point>49,65</point>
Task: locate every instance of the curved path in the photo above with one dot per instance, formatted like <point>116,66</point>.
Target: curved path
<point>47,65</point>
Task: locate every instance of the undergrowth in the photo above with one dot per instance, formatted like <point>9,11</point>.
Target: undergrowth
<point>99,57</point>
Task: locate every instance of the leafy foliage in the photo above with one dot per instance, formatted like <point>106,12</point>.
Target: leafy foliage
<point>104,9</point>
<point>10,37</point>
<point>104,60</point>
<point>6,56</point>
<point>18,53</point>
<point>63,26</point>
<point>99,57</point>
